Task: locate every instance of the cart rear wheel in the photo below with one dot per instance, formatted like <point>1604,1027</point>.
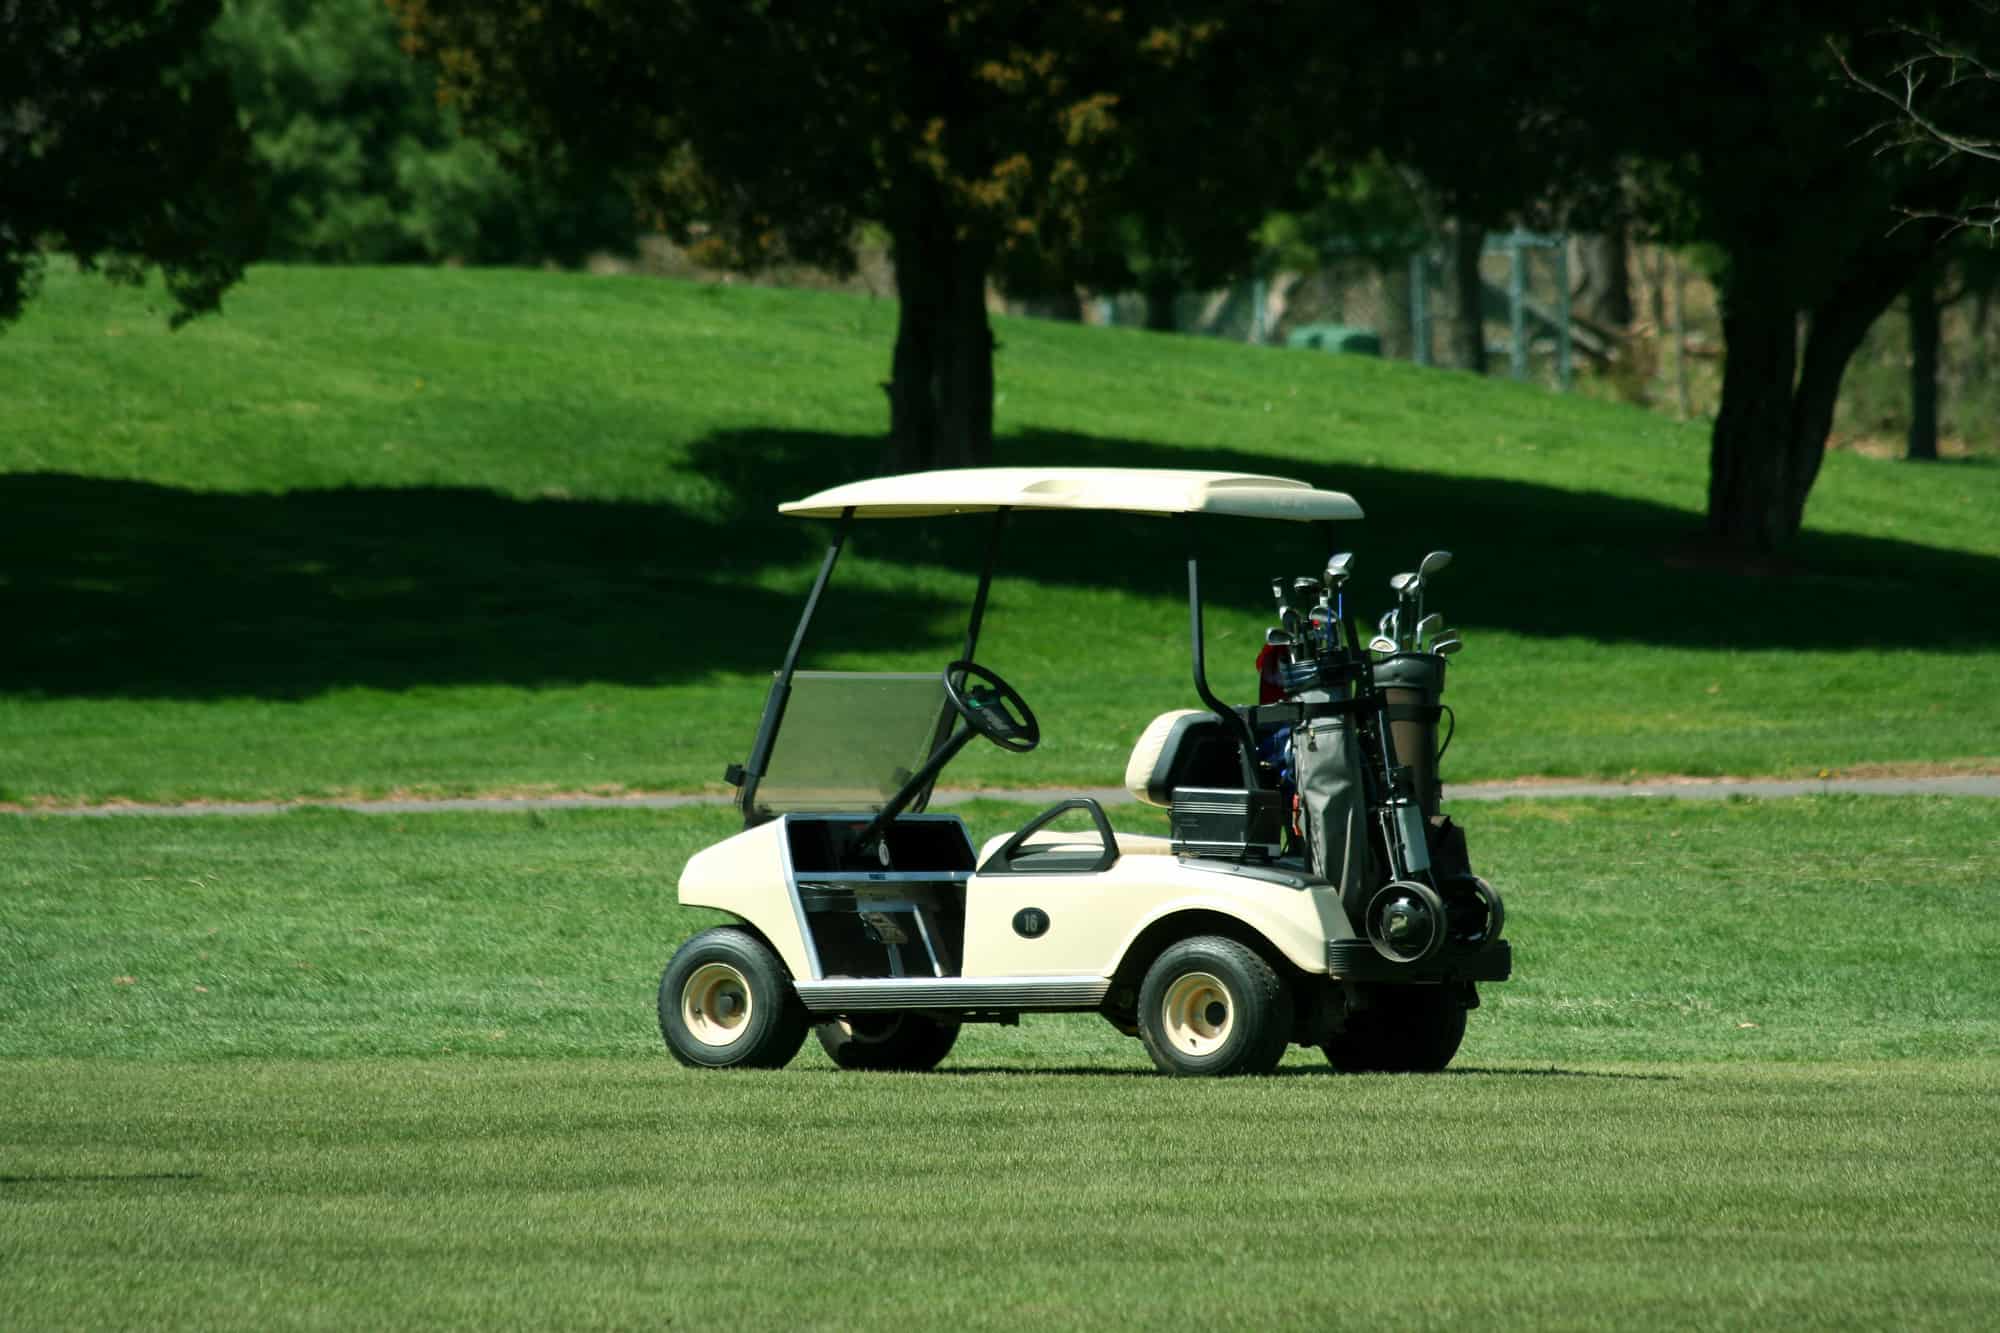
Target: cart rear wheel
<point>726,1000</point>
<point>1211,1006</point>
<point>909,1042</point>
<point>1407,1030</point>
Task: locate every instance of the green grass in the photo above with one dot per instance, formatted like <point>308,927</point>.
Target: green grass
<point>456,531</point>
<point>331,1070</point>
<point>618,1194</point>
<point>1834,928</point>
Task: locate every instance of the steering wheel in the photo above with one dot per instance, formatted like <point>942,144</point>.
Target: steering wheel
<point>985,707</point>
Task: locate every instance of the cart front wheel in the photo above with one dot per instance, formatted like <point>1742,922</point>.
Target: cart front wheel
<point>1211,1006</point>
<point>726,1001</point>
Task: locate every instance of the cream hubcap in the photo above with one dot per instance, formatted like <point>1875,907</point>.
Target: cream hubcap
<point>1196,1013</point>
<point>715,1004</point>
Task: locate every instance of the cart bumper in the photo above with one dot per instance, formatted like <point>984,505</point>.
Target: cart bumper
<point>1356,960</point>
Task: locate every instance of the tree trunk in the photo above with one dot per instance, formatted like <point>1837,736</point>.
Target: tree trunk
<point>1923,365</point>
<point>941,375</point>
<point>1747,452</point>
<point>1396,327</point>
<point>1607,288</point>
<point>1468,328</point>
<point>1162,307</point>
<point>1777,407</point>
<point>1839,323</point>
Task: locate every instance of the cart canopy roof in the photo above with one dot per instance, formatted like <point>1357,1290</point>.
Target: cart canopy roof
<point>1129,490</point>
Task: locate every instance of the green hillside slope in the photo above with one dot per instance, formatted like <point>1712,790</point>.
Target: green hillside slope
<point>457,531</point>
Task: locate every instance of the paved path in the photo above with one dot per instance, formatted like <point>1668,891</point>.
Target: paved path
<point>1676,788</point>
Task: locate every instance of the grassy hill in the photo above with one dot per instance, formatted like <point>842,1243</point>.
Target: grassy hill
<point>455,531</point>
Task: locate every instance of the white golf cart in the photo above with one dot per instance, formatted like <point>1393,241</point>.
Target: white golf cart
<point>1309,892</point>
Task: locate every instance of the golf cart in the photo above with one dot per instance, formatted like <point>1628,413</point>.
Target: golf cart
<point>1309,891</point>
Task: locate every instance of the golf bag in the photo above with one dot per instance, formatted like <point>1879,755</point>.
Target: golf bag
<point>1329,756</point>
<point>1333,808</point>
<point>1411,685</point>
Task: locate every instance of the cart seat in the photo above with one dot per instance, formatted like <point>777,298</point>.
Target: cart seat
<point>1185,748</point>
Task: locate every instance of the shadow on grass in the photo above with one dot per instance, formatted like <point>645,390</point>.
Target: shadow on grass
<point>133,1178</point>
<point>1553,1072</point>
<point>1291,1071</point>
<point>1531,559</point>
<point>119,588</point>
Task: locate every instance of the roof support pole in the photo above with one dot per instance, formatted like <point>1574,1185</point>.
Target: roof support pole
<point>781,688</point>
<point>947,717</point>
<point>985,583</point>
<point>1246,740</point>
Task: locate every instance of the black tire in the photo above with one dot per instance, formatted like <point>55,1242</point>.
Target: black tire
<point>1407,1030</point>
<point>908,1042</point>
<point>726,1002</point>
<point>1211,1007</point>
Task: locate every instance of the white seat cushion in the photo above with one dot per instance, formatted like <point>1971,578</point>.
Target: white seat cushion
<point>1146,753</point>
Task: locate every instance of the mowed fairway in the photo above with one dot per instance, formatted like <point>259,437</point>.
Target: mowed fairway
<point>336,1070</point>
<point>562,1193</point>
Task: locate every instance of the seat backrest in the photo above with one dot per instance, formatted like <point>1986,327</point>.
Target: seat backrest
<point>1185,748</point>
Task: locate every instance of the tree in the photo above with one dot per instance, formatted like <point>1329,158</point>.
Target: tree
<point>116,147</point>
<point>360,164</point>
<point>1939,80</point>
<point>1728,124</point>
<point>1924,337</point>
<point>984,136</point>
<point>1939,77</point>
<point>1761,163</point>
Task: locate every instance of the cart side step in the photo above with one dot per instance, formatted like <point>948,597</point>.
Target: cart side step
<point>855,994</point>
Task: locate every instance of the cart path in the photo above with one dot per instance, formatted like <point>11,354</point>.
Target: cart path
<point>1534,789</point>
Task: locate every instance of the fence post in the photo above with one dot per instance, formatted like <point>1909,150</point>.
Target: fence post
<point>1517,297</point>
<point>1420,310</point>
<point>1561,248</point>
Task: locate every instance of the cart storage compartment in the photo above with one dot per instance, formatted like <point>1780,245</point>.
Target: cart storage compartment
<point>865,918</point>
<point>825,846</point>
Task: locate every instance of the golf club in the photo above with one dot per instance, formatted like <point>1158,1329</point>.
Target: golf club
<point>1406,587</point>
<point>1427,627</point>
<point>1431,564</point>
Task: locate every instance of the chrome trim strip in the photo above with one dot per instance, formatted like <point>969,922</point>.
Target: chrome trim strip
<point>865,993</point>
<point>792,890</point>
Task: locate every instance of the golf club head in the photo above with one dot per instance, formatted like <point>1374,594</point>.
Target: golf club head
<point>1447,645</point>
<point>1338,568</point>
<point>1276,637</point>
<point>1304,592</point>
<point>1429,625</point>
<point>1400,583</point>
<point>1432,563</point>
<point>1382,643</point>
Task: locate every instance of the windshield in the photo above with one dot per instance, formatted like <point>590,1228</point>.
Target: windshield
<point>851,738</point>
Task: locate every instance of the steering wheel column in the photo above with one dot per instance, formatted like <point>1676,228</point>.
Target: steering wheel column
<point>987,706</point>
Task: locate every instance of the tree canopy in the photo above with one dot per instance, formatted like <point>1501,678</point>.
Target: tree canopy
<point>1724,123</point>
<point>358,163</point>
<point>116,146</point>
